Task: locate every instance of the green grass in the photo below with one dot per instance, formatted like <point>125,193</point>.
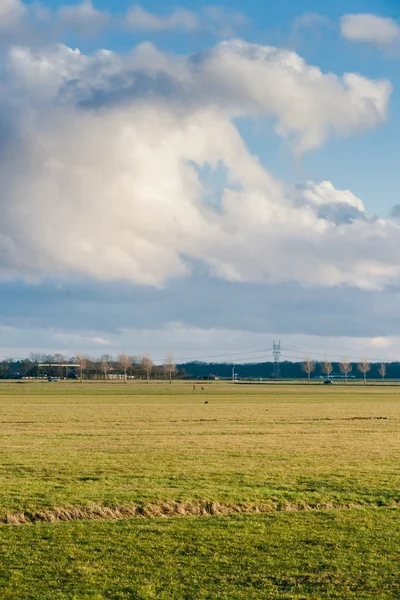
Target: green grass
<point>68,445</point>
<point>350,554</point>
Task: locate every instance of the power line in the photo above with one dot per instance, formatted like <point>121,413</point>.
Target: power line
<point>285,353</point>
<point>199,358</point>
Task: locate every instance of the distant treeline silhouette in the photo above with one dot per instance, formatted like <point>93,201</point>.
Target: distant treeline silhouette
<point>288,370</point>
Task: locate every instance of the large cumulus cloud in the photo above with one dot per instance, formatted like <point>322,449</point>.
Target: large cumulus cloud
<point>102,159</point>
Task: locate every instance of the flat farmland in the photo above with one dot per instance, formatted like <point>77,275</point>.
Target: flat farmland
<point>162,491</point>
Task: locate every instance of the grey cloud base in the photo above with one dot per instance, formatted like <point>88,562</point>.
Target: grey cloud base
<point>198,318</point>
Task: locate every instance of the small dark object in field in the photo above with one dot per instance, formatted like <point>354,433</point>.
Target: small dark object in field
<point>202,389</point>
<point>194,387</point>
<point>206,402</point>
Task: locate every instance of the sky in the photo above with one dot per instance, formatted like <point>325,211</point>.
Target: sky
<point>200,178</point>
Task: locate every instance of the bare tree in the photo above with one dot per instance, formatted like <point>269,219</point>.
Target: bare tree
<point>83,363</point>
<point>364,367</point>
<point>308,367</point>
<point>170,367</point>
<point>106,365</point>
<point>382,371</point>
<point>35,357</point>
<point>327,367</point>
<point>346,367</point>
<point>147,365</point>
<point>125,362</point>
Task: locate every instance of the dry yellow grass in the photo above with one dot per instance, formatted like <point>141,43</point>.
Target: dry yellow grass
<point>70,445</point>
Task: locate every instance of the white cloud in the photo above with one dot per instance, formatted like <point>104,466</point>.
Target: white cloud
<point>338,206</point>
<point>140,19</point>
<point>13,20</point>
<point>106,183</point>
<point>325,193</point>
<point>235,78</point>
<point>223,21</point>
<point>22,22</point>
<point>381,342</point>
<point>218,20</point>
<point>370,29</point>
<point>309,105</point>
<point>11,11</point>
<point>310,21</point>
<point>82,18</point>
<point>77,340</point>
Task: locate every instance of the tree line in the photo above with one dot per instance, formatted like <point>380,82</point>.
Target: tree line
<point>345,366</point>
<point>143,367</point>
<point>344,369</point>
<point>83,367</point>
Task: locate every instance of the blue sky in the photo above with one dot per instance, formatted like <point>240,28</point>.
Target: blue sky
<point>196,194</point>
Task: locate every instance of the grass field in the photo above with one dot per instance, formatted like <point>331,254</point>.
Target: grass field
<point>302,482</point>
